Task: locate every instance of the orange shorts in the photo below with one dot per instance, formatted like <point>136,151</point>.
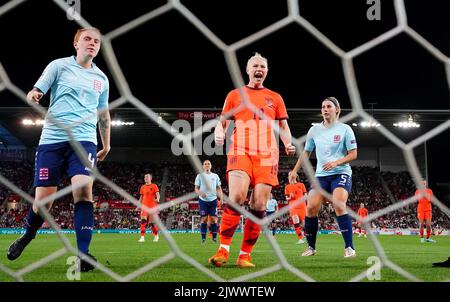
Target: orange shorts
<point>300,213</point>
<point>260,168</point>
<point>147,215</point>
<point>424,215</point>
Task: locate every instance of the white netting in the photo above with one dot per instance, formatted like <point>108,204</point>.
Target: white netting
<point>294,16</point>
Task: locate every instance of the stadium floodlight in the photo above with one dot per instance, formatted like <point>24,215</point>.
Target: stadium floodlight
<point>119,123</point>
<point>366,124</point>
<point>30,122</point>
<point>410,123</point>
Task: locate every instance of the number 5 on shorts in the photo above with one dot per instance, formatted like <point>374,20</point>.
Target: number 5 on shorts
<point>343,180</point>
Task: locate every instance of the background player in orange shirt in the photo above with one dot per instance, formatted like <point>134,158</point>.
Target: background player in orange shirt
<point>362,213</point>
<point>252,157</point>
<point>149,198</point>
<point>294,191</point>
<point>424,211</point>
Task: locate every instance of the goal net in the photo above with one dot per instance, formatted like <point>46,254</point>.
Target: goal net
<point>229,51</point>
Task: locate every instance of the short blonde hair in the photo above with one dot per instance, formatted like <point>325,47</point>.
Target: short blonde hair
<point>82,30</point>
<point>256,55</point>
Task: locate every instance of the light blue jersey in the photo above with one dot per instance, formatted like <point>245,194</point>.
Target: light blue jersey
<point>331,144</point>
<point>213,181</point>
<point>271,205</point>
<point>76,94</point>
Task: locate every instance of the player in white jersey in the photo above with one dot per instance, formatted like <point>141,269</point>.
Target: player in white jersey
<point>208,187</point>
<point>79,99</point>
<point>335,145</point>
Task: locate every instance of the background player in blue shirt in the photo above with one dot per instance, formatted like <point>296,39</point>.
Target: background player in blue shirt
<point>335,145</point>
<point>272,207</point>
<point>78,99</point>
<point>208,187</point>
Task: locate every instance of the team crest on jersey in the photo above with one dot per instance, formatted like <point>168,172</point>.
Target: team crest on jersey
<point>269,102</point>
<point>97,85</point>
<point>337,138</point>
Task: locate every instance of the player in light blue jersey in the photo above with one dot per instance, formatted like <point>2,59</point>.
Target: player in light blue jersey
<point>79,99</point>
<point>271,208</point>
<point>335,146</point>
<point>208,187</point>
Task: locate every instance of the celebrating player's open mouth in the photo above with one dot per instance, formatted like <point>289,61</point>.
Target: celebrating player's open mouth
<point>259,75</point>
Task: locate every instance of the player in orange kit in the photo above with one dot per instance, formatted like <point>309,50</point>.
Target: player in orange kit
<point>362,213</point>
<point>252,157</point>
<point>424,211</point>
<point>149,198</point>
<point>293,192</point>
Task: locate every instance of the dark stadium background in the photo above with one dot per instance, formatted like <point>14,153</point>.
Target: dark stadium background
<point>171,67</point>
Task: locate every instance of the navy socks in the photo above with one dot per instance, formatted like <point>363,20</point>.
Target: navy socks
<point>84,224</point>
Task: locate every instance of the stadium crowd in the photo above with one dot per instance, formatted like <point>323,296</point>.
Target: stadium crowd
<point>375,189</point>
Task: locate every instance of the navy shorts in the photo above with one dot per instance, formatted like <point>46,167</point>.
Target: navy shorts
<point>53,160</point>
<point>331,182</point>
<point>207,208</point>
<point>268,213</point>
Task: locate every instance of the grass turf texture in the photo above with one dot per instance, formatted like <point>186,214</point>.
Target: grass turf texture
<point>123,254</point>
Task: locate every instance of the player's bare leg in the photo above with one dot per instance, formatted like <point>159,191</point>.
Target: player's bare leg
<point>340,196</point>
<point>421,227</point>
<point>315,200</point>
<point>83,217</point>
<point>298,228</point>
<point>151,223</point>
<point>238,183</point>
<point>260,195</point>
<point>143,228</point>
<point>428,224</point>
<point>34,222</point>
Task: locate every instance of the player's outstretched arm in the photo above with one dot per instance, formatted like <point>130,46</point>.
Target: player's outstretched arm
<point>293,174</point>
<point>219,192</point>
<point>34,95</point>
<point>286,137</point>
<point>200,193</point>
<point>104,125</point>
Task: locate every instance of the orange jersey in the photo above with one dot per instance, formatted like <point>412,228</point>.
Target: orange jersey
<point>425,201</point>
<point>362,212</point>
<point>296,192</point>
<point>148,193</point>
<point>251,133</point>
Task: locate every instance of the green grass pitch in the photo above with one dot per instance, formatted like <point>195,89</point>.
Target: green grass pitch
<point>123,254</point>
